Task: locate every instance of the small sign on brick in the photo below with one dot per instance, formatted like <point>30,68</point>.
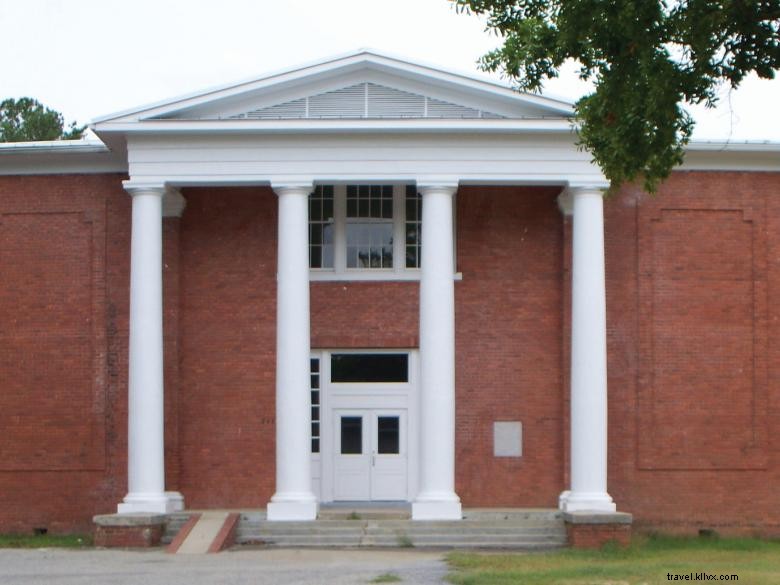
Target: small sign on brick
<point>508,439</point>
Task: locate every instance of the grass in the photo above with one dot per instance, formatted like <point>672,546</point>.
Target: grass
<point>646,562</point>
<point>386,578</point>
<point>45,541</point>
<point>404,541</point>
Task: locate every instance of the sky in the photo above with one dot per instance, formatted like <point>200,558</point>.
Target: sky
<point>89,58</point>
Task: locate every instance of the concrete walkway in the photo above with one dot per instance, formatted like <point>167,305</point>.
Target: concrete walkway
<point>244,567</point>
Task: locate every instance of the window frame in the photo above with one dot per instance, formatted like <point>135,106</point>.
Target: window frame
<point>340,270</point>
<point>399,271</point>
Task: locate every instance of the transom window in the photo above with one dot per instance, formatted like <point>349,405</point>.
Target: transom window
<point>369,367</point>
<point>365,230</point>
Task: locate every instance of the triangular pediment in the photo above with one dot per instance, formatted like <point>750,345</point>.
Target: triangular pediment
<point>365,100</point>
<point>362,85</point>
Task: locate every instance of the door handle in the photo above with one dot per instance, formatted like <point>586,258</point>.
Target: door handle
<point>373,460</point>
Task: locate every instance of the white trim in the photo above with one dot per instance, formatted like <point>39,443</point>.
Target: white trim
<point>434,158</point>
<point>340,272</point>
<point>725,156</point>
<point>331,67</point>
<point>411,275</point>
<point>49,157</point>
<point>323,125</point>
<point>88,145</point>
<point>335,396</point>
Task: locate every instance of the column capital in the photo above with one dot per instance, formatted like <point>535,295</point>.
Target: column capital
<point>443,187</point>
<point>566,197</point>
<point>174,203</point>
<point>293,187</point>
<point>134,188</point>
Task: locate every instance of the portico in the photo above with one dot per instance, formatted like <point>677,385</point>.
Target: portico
<point>246,136</point>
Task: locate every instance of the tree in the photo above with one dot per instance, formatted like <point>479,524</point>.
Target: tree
<point>27,119</point>
<point>646,58</point>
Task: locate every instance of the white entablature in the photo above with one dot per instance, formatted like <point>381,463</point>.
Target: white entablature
<point>362,117</point>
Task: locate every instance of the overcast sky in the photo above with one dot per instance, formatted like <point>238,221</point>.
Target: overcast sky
<point>87,58</point>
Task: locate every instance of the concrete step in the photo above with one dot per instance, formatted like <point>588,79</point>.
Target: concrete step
<point>483,528</point>
<point>404,541</point>
<point>175,523</point>
<point>364,514</point>
<point>320,528</point>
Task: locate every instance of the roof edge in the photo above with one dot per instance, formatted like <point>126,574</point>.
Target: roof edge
<point>92,145</point>
<point>368,54</point>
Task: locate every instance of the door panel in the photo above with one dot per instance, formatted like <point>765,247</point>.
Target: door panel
<point>389,459</point>
<point>352,455</point>
<point>370,455</point>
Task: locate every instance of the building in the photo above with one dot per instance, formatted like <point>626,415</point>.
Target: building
<point>255,251</point>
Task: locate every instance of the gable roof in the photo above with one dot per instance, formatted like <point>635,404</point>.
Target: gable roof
<point>364,84</point>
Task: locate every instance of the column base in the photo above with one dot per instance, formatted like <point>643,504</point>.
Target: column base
<point>291,508</point>
<point>570,501</point>
<point>157,503</point>
<point>443,508</point>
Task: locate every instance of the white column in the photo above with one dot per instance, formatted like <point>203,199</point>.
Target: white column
<point>437,499</point>
<point>294,498</point>
<point>588,357</point>
<point>146,416</point>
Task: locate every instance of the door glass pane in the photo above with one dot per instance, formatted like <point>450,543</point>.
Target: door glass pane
<point>369,367</point>
<point>388,435</point>
<point>351,435</point>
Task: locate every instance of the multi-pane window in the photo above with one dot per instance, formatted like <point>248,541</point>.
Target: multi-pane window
<point>365,232</point>
<point>369,226</point>
<point>315,405</point>
<point>413,226</point>
<point>321,227</point>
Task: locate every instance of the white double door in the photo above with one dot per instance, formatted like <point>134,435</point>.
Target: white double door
<point>370,459</point>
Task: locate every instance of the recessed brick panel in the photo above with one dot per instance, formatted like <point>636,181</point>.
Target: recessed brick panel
<point>48,342</point>
<point>63,365</point>
<point>700,297</point>
<point>693,429</point>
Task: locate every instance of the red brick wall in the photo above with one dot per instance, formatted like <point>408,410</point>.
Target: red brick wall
<point>692,286</point>
<point>227,342</point>
<point>508,344</point>
<point>63,313</point>
<point>693,355</point>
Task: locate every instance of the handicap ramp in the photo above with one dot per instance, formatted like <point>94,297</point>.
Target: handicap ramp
<point>205,532</point>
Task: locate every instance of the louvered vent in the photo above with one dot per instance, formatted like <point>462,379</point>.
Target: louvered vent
<point>287,110</point>
<point>365,100</point>
<point>441,109</point>
<point>386,102</point>
<point>349,102</point>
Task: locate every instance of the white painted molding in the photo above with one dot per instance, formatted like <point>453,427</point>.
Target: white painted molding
<point>367,60</point>
<point>292,186</point>
<point>446,183</point>
<point>141,187</point>
<point>174,203</point>
<point>324,125</point>
<point>60,157</point>
<point>565,203</point>
<point>428,159</point>
<point>407,275</point>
